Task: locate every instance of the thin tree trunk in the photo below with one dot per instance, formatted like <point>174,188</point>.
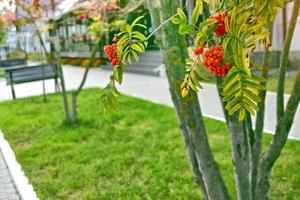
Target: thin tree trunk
<point>190,4</point>
<point>256,146</point>
<point>189,146</point>
<point>17,26</point>
<point>63,88</point>
<point>284,118</point>
<point>239,135</point>
<point>214,183</point>
<point>284,21</point>
<point>60,75</point>
<point>274,150</point>
<point>174,57</point>
<point>76,92</point>
<point>284,60</point>
<point>74,107</point>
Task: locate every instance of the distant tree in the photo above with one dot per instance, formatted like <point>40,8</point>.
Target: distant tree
<point>105,16</point>
<point>2,32</point>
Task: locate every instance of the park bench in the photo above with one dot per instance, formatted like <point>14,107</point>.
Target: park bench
<point>24,74</point>
<point>12,62</point>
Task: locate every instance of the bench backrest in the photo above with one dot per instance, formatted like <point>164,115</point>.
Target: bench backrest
<point>12,62</point>
<point>30,74</point>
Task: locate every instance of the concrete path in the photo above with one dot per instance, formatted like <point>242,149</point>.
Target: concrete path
<point>7,187</point>
<point>151,88</point>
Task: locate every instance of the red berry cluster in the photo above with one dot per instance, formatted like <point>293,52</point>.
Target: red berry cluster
<point>214,61</point>
<point>112,52</point>
<point>199,50</point>
<point>82,17</point>
<point>220,30</point>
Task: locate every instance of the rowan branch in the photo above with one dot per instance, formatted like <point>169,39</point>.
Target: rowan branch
<point>284,60</point>
<point>160,26</point>
<point>284,126</point>
<point>279,140</point>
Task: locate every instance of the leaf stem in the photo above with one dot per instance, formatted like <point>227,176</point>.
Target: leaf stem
<point>160,26</point>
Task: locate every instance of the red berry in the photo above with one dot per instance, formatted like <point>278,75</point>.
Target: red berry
<point>112,54</point>
<point>198,51</point>
<point>213,61</point>
<point>220,20</point>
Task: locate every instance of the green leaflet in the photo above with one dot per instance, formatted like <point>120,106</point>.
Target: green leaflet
<point>242,114</point>
<point>131,43</point>
<point>192,76</point>
<point>197,11</point>
<point>185,29</point>
<point>109,96</point>
<point>181,15</point>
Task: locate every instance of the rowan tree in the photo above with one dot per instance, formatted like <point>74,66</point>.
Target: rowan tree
<point>225,34</point>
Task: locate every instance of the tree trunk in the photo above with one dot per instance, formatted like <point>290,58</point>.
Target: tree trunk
<point>189,146</point>
<point>63,89</point>
<point>281,135</point>
<point>60,75</point>
<point>285,117</point>
<point>76,92</point>
<point>284,60</point>
<point>239,137</point>
<point>256,145</point>
<point>74,107</point>
<point>188,109</point>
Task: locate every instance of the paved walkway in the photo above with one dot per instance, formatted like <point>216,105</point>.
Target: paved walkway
<point>150,88</point>
<point>7,188</point>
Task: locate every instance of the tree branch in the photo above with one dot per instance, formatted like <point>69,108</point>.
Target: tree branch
<point>284,60</point>
<point>160,26</point>
<point>279,140</point>
<point>256,146</point>
<point>87,69</point>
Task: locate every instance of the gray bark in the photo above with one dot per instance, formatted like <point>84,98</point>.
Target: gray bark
<point>60,75</point>
<point>175,45</point>
<point>76,92</point>
<point>284,60</point>
<point>285,117</point>
<point>256,145</point>
<point>239,137</point>
<point>190,4</point>
<point>274,150</point>
<point>63,89</point>
<point>189,146</point>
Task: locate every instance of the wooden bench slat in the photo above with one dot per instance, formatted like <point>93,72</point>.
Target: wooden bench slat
<point>31,79</point>
<point>29,74</point>
<point>12,62</point>
<point>23,74</point>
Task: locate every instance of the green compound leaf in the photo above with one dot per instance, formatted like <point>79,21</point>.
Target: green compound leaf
<point>109,96</point>
<point>193,76</point>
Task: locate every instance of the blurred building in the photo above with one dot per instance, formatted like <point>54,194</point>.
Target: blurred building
<point>278,40</point>
<point>75,43</point>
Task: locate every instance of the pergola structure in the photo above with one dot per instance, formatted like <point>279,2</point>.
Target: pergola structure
<point>72,30</point>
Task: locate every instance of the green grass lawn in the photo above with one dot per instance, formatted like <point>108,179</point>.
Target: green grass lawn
<point>272,83</point>
<point>1,74</point>
<point>135,153</point>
